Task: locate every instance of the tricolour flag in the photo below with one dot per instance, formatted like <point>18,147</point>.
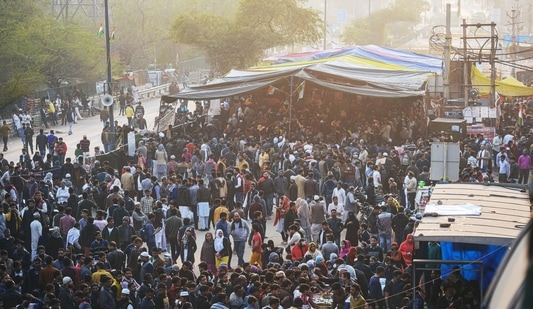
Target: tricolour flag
<point>520,119</point>
<point>300,90</point>
<point>100,31</point>
<point>112,36</point>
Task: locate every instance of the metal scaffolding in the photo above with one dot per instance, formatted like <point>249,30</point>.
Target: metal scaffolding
<point>70,9</point>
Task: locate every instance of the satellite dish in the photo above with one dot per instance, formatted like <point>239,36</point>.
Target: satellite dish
<point>107,100</point>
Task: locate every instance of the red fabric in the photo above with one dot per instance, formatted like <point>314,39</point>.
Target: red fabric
<point>282,209</point>
<point>407,249</point>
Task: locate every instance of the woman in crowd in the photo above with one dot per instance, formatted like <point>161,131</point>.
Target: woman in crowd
<point>352,229</point>
<point>188,245</point>
<point>222,248</point>
<point>207,253</point>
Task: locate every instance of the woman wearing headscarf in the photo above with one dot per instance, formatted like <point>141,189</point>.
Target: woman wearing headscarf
<point>352,229</point>
<point>313,251</point>
<point>407,249</point>
<point>345,248</point>
<point>207,254</point>
<point>188,245</point>
<point>304,214</point>
<point>54,242</point>
<point>160,166</point>
<point>221,245</point>
<point>351,257</point>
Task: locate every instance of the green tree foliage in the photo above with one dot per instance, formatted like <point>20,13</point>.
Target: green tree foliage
<point>397,19</point>
<point>37,51</point>
<point>142,29</point>
<point>239,41</point>
<point>73,55</point>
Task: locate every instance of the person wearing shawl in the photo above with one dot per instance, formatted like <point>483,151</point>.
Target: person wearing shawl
<point>221,246</point>
<point>351,257</point>
<point>304,214</point>
<point>313,251</point>
<point>407,249</point>
<point>55,242</point>
<point>279,218</point>
<point>207,254</point>
<point>188,245</point>
<point>345,248</point>
<point>352,229</point>
<point>160,166</point>
<point>396,256</point>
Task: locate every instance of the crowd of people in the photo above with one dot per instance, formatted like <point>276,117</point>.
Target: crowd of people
<point>340,188</point>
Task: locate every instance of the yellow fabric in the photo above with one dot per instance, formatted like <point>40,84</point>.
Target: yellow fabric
<point>99,273</point>
<point>508,87</point>
<point>218,211</point>
<point>221,260</point>
<point>350,59</point>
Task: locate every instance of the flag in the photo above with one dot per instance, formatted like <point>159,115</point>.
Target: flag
<point>272,90</point>
<point>300,90</point>
<point>100,31</point>
<point>520,119</point>
<point>112,36</point>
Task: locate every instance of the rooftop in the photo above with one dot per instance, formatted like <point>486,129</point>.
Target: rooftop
<point>505,211</point>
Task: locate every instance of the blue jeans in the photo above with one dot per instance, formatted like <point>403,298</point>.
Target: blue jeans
<point>385,241</point>
<point>239,246</point>
<point>238,197</point>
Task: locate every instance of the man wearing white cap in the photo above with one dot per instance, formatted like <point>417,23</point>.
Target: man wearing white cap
<point>36,232</point>
<point>146,266</point>
<point>125,301</point>
<point>66,295</point>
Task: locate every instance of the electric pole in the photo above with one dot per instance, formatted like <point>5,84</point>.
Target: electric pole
<point>513,22</point>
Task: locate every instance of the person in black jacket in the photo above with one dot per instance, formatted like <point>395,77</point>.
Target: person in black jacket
<point>65,294</point>
<point>11,297</point>
<point>87,235</point>
<point>184,200</point>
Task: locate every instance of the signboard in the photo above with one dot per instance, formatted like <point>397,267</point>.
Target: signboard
<point>488,132</point>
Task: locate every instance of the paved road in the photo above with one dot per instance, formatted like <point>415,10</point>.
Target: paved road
<point>92,127</point>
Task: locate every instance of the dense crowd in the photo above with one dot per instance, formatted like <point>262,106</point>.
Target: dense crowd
<point>341,187</point>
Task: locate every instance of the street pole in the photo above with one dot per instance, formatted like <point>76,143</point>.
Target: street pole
<point>447,48</point>
<point>109,77</point>
<point>325,22</point>
<point>466,75</point>
<point>493,47</point>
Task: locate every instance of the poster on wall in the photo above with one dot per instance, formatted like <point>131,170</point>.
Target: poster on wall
<point>475,129</point>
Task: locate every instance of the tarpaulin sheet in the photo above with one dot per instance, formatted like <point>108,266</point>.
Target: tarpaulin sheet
<point>402,58</point>
<point>490,255</point>
<point>506,87</point>
<point>386,79</point>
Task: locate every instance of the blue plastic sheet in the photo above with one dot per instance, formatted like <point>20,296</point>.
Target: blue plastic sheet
<point>490,255</point>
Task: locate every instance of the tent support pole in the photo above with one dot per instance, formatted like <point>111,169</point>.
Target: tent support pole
<point>290,107</point>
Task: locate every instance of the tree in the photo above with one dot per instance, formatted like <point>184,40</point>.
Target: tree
<point>239,41</point>
<point>399,18</point>
<point>39,51</point>
<point>72,53</point>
